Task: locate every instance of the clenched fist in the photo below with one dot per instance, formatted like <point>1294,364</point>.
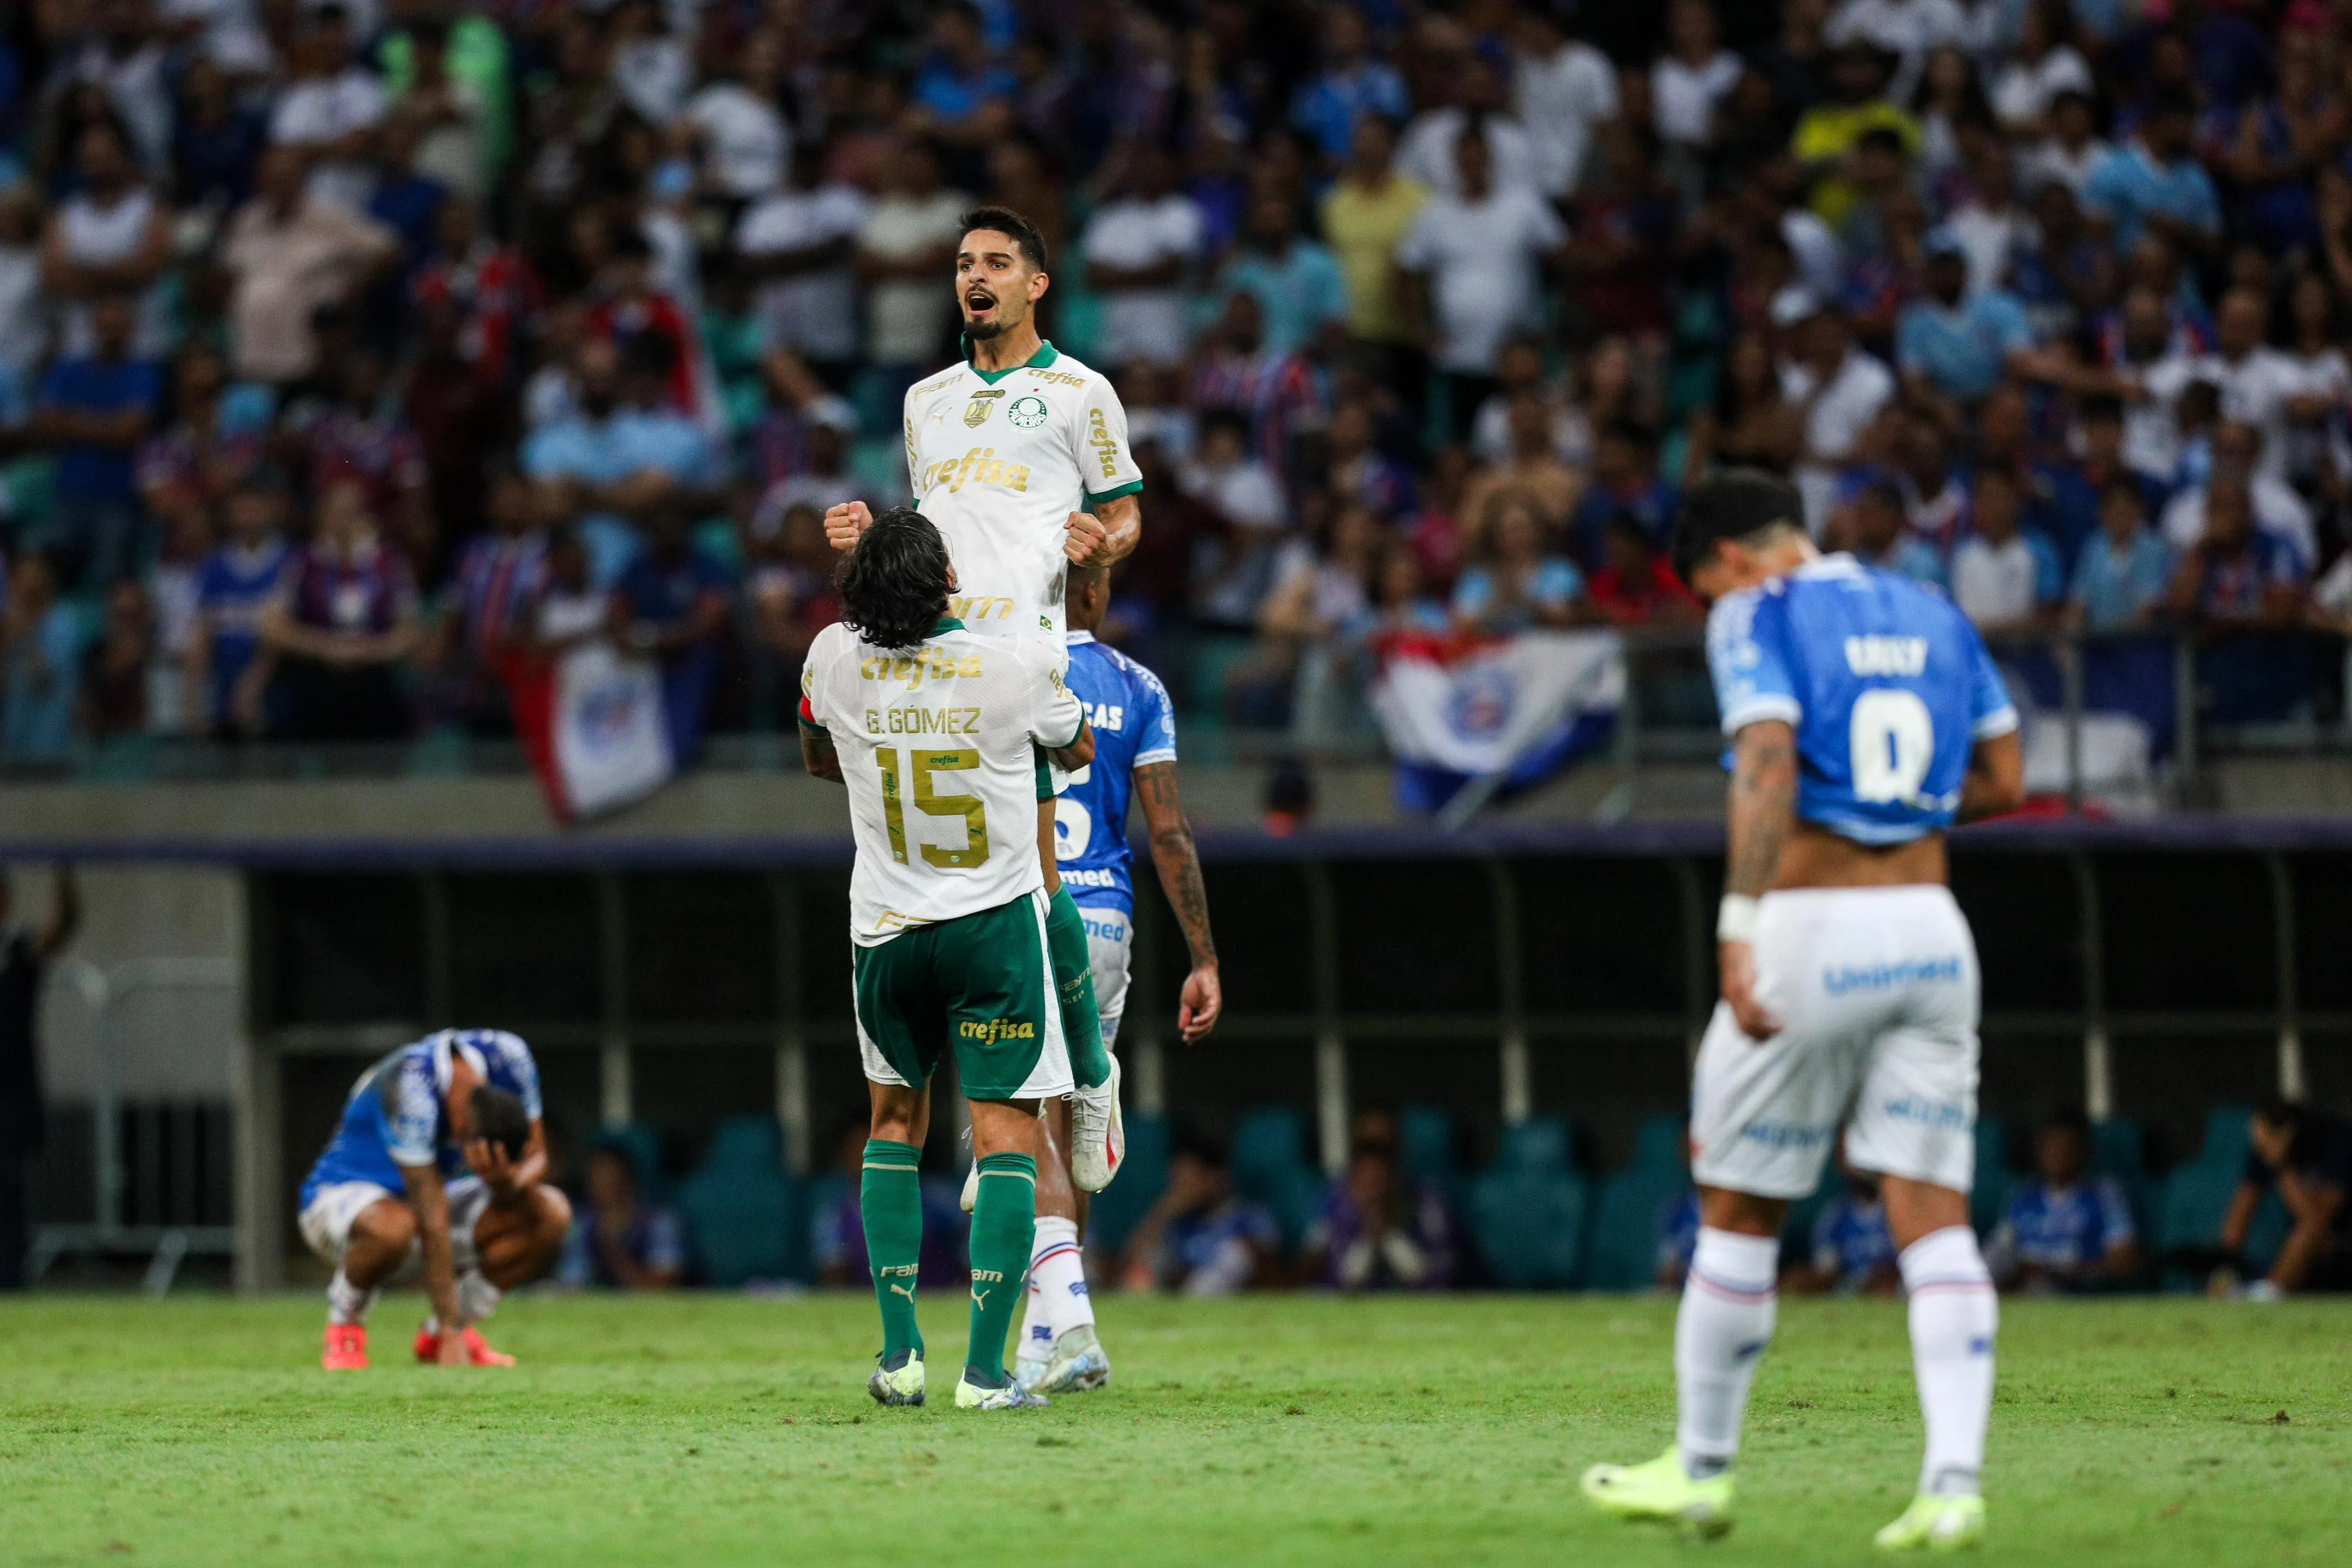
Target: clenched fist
<point>844,523</point>
<point>1089,543</point>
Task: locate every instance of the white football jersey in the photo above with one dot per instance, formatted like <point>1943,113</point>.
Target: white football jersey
<point>999,460</point>
<point>938,744</point>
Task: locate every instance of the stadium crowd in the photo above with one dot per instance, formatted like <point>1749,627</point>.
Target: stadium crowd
<point>350,349</point>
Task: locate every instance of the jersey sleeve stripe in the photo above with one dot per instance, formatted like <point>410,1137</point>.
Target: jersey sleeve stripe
<point>1160,754</point>
<point>1993,726</point>
<point>1132,488</point>
<point>1761,710</point>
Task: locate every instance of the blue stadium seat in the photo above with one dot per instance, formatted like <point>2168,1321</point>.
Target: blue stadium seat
<point>1625,1227</point>
<point>1120,1207</point>
<point>1658,1146</point>
<point>739,1207</point>
<point>2229,1134</point>
<point>1989,1199</point>
<point>1529,1212</point>
<point>2118,1151</point>
<point>1426,1133</point>
<point>1271,1167</point>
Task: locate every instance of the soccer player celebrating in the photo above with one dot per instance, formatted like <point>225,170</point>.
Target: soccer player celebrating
<point>1135,754</point>
<point>1006,451</point>
<point>441,1155</point>
<point>1865,717</point>
<point>935,731</point>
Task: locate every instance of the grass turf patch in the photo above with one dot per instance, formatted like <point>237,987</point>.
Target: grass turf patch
<point>1278,1429</point>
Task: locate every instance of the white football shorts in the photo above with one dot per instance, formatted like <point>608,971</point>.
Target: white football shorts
<point>1876,991</point>
<point>326,1223</point>
<point>1110,944</point>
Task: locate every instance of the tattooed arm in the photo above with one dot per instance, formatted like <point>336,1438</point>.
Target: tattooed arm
<point>1763,814</point>
<point>1178,863</point>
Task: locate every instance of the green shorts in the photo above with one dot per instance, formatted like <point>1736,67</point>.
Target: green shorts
<point>982,982</point>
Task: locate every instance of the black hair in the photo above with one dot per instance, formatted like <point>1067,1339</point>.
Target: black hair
<point>1027,238</point>
<point>894,585</point>
<point>499,1117</point>
<point>1736,504</point>
<point>2169,101</point>
<point>2101,406</point>
<point>1187,1145</point>
<point>2127,487</point>
<point>2069,1119</point>
<point>647,353</point>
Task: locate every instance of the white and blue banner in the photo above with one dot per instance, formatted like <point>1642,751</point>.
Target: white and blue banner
<point>1511,713</point>
<point>610,745</point>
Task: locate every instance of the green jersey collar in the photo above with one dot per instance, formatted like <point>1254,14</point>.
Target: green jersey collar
<point>947,623</point>
<point>1045,355</point>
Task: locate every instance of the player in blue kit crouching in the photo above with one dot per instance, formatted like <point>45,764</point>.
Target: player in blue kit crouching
<point>1865,717</point>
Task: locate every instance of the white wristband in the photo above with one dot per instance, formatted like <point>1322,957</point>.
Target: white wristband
<point>1735,918</point>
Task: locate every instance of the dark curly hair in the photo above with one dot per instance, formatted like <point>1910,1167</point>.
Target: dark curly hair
<point>894,584</point>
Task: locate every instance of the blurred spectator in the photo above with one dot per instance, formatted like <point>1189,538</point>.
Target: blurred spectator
<point>1478,248</point>
<point>2306,1158</point>
<point>331,110</point>
<point>1141,249</point>
<point>288,254</point>
<point>1876,533</point>
<point>790,593</point>
<point>1276,395</point>
<point>735,125</point>
<point>1300,292</point>
<point>1349,83</point>
<point>226,676</point>
<point>2238,583</point>
<point>1694,76</point>
<point>111,236</point>
<point>2005,578</point>
<point>621,1242</point>
<point>1562,89</point>
<point>1514,583</point>
<point>672,603</point>
<point>25,304</point>
<point>1431,150</point>
<point>1519,371</point>
<point>1634,585</point>
<point>189,469</point>
<point>1316,619</point>
<point>1958,345</point>
<point>2152,184</point>
<point>115,671</point>
<point>2066,1229</point>
<point>2123,575</point>
<point>1625,485</point>
<point>800,246</point>
<point>1237,568</point>
<point>1842,390</point>
<point>1198,1238</point>
<point>40,654</point>
<point>95,410</point>
<point>1379,1229</point>
<point>343,625</point>
<point>449,112</point>
<point>1531,470</point>
<point>906,247</point>
<point>2045,66</point>
<point>1850,1252</point>
<point>615,461</point>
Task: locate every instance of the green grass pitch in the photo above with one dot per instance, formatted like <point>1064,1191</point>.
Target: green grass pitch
<point>1280,1429</point>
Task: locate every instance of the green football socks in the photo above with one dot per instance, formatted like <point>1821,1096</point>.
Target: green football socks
<point>1003,1226</point>
<point>1073,981</point>
<point>890,1198</point>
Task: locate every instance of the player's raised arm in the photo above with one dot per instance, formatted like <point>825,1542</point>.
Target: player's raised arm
<point>1107,534</point>
<point>1178,860</point>
<point>846,522</point>
<point>1114,484</point>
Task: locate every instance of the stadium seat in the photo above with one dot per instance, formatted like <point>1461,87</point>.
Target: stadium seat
<point>739,1207</point>
<point>1658,1146</point>
<point>1529,1212</point>
<point>1989,1199</point>
<point>2229,1134</point>
<point>1120,1206</point>
<point>1271,1167</point>
<point>2118,1151</point>
<point>1625,1225</point>
<point>1427,1157</point>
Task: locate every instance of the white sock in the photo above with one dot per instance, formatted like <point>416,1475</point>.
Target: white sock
<point>476,1297</point>
<point>1727,1312</point>
<point>1058,1300</point>
<point>1954,1316</point>
<point>346,1302</point>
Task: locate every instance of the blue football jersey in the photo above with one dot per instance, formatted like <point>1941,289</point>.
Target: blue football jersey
<point>1888,685</point>
<point>398,1110</point>
<point>1134,724</point>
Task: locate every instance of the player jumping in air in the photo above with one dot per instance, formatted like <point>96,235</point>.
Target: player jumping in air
<point>1135,754</point>
<point>441,1155</point>
<point>1865,716</point>
<point>1019,455</point>
<point>934,729</point>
